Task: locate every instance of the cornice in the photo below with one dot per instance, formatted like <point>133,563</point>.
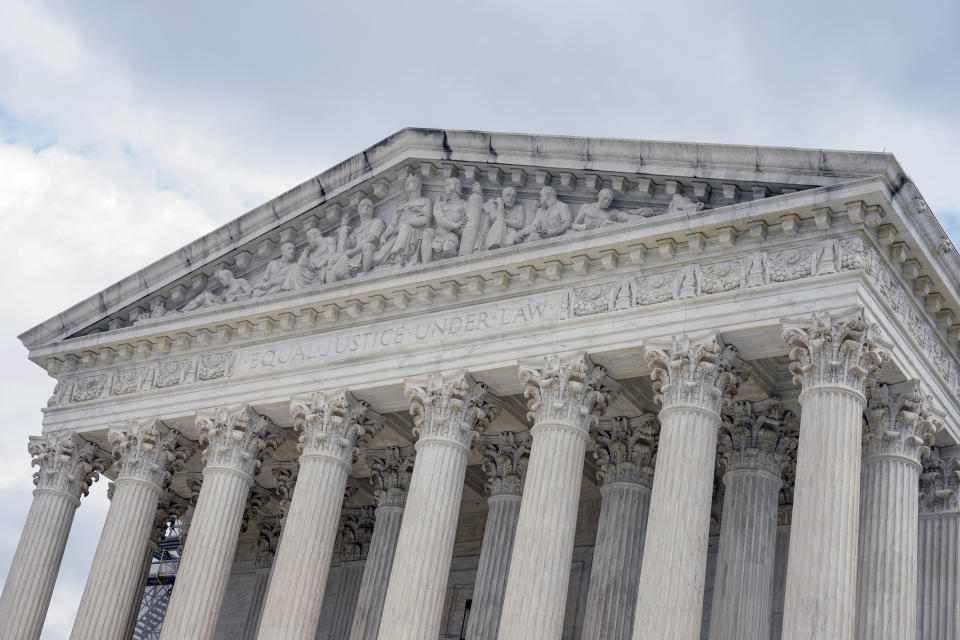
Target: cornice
<point>631,166</point>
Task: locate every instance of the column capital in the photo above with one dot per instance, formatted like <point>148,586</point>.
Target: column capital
<point>454,408</point>
<point>626,449</point>
<point>356,532</point>
<point>940,483</point>
<point>390,475</point>
<point>148,451</point>
<point>285,476</point>
<point>235,438</point>
<point>256,501</point>
<point>66,463</point>
<point>756,435</point>
<point>268,537</point>
<point>835,350</point>
<point>700,374</point>
<point>899,422</point>
<point>170,508</point>
<point>333,424</point>
<point>571,391</point>
<point>788,474</point>
<point>505,462</point>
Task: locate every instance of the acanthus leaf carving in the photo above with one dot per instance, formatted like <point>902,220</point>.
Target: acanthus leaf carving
<point>572,391</point>
<point>702,374</point>
<point>454,408</point>
<point>356,532</point>
<point>626,449</point>
<point>841,350</point>
<point>390,474</point>
<point>148,451</point>
<point>940,483</point>
<point>758,435</point>
<point>505,458</point>
<point>901,424</point>
<point>333,424</point>
<point>66,463</point>
<point>235,438</point>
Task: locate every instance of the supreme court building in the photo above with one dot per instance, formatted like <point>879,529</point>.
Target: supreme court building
<point>497,386</point>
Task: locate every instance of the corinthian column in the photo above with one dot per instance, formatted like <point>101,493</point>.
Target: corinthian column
<point>68,464</point>
<point>391,479</point>
<point>505,461</point>
<point>754,441</point>
<point>147,455</point>
<point>939,549</point>
<point>833,358</point>
<point>332,427</point>
<point>356,530</point>
<point>448,413</point>
<point>235,441</point>
<point>625,449</point>
<point>691,381</point>
<point>565,398</point>
<point>898,432</point>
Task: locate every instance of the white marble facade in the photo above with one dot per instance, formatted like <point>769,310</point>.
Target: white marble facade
<point>496,386</point>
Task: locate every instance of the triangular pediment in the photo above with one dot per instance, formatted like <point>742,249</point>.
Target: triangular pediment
<point>421,198</point>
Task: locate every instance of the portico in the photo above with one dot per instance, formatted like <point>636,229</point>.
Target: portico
<point>532,425</point>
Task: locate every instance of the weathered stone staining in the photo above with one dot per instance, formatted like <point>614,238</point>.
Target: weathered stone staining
<point>800,480</point>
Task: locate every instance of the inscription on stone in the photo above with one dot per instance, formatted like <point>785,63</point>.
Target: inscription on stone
<point>354,343</point>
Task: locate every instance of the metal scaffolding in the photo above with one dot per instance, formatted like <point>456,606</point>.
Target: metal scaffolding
<point>160,579</point>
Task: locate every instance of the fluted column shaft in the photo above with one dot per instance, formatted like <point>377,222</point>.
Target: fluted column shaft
<point>376,573</point>
<point>503,511</point>
<point>351,576</point>
<point>742,607</point>
<point>670,597</point>
<point>111,589</point>
<point>255,613</point>
<point>36,562</point>
<point>207,555</point>
<point>292,607</point>
<point>615,575</point>
<point>413,605</point>
<point>887,563</point>
<point>939,579</point>
<point>821,573</point>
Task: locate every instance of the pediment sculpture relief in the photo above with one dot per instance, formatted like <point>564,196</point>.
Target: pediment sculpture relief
<point>421,230</point>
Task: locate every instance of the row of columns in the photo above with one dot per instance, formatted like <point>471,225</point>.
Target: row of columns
<point>663,517</point>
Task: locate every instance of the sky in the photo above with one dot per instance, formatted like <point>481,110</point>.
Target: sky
<point>129,129</point>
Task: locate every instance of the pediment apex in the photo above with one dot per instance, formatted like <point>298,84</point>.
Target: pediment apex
<point>643,176</point>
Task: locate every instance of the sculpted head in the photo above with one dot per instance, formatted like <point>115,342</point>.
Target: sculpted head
<point>605,198</point>
<point>288,250</point>
<point>314,237</point>
<point>224,276</point>
<point>453,186</point>
<point>476,188</point>
<point>365,209</point>
<point>548,195</point>
<point>412,185</point>
<point>509,196</point>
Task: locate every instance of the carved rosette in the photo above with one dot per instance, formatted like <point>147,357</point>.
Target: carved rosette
<point>235,439</point>
<point>390,475</point>
<point>693,374</point>
<point>66,463</point>
<point>899,424</point>
<point>505,462</point>
<point>453,408</point>
<point>333,425</point>
<point>626,449</point>
<point>148,451</point>
<point>572,391</point>
<point>940,483</point>
<point>756,435</point>
<point>842,351</point>
<point>356,531</point>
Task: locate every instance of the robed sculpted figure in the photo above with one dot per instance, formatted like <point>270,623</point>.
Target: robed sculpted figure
<point>310,270</point>
<point>402,240</point>
<point>450,217</point>
<point>507,218</point>
<point>552,217</point>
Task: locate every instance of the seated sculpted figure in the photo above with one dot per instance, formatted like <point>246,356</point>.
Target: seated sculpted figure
<point>450,215</point>
<point>365,239</point>
<point>276,271</point>
<point>552,217</point>
<point>402,239</point>
<point>600,213</point>
<point>508,217</point>
<point>310,270</point>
